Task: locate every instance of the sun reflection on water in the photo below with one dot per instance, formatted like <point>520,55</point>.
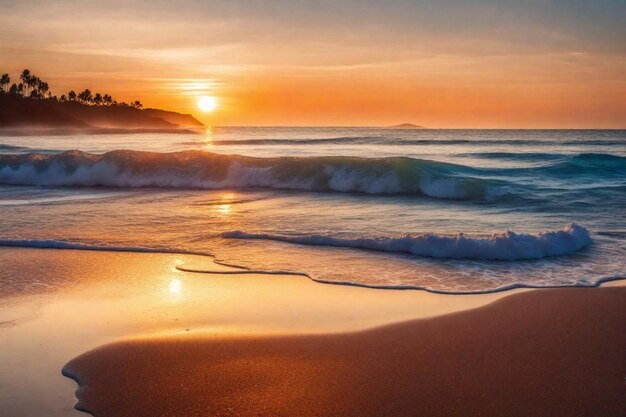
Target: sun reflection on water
<point>207,140</point>
<point>226,207</point>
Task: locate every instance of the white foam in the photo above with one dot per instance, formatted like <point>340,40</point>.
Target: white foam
<point>201,170</point>
<point>506,246</point>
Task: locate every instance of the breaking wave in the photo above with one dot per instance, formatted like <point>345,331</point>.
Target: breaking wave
<point>505,246</point>
<point>204,170</point>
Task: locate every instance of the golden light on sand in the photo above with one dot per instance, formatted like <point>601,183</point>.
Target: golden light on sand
<point>175,286</point>
<point>207,103</point>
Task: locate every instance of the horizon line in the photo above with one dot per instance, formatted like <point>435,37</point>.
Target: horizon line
<point>391,127</point>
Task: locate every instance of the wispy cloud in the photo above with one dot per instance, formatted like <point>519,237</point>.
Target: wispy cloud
<point>274,53</point>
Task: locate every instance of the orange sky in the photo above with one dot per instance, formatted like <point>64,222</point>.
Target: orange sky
<point>490,64</point>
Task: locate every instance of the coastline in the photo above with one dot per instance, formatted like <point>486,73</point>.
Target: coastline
<point>313,209</point>
<point>285,341</point>
<point>63,131</point>
<point>57,304</point>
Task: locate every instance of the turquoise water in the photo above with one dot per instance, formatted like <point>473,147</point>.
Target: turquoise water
<point>448,210</point>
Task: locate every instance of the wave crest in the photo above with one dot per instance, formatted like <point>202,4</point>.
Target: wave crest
<point>204,170</point>
<point>505,246</point>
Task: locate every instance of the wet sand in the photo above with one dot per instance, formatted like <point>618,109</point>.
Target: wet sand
<point>554,352</point>
<point>58,304</point>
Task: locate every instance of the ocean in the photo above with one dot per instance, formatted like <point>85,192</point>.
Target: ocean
<point>454,211</point>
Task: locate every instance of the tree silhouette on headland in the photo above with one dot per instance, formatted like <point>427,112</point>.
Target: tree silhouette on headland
<point>5,80</point>
<point>85,96</point>
<point>33,87</point>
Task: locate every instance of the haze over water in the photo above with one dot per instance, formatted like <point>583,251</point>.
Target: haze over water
<point>378,207</point>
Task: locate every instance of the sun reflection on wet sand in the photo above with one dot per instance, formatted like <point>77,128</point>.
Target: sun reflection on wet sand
<point>105,296</point>
<point>175,287</point>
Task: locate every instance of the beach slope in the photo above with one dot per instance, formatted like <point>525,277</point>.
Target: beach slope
<point>554,352</point>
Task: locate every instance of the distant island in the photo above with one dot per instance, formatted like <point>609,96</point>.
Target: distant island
<point>29,107</point>
<point>406,126</point>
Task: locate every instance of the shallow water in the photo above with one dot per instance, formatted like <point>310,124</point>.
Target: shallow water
<point>370,206</point>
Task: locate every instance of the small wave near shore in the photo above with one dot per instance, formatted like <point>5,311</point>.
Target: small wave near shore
<point>505,246</point>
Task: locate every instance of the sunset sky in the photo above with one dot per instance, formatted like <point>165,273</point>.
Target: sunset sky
<point>440,64</point>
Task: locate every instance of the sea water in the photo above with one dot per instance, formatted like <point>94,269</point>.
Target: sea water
<point>445,210</point>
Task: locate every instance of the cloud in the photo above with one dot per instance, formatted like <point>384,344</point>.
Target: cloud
<point>299,49</point>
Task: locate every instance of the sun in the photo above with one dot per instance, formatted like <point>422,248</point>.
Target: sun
<point>207,103</point>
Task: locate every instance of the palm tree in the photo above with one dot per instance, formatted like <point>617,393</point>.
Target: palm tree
<point>137,104</point>
<point>97,99</point>
<point>33,85</point>
<point>13,90</point>
<point>71,96</point>
<point>85,97</point>
<point>37,87</point>
<point>5,80</point>
<point>25,77</point>
<point>62,99</point>
<point>107,99</point>
<point>43,88</point>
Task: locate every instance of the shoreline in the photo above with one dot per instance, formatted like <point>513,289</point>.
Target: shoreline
<point>99,298</point>
<point>227,268</point>
<point>57,304</point>
<point>555,352</point>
